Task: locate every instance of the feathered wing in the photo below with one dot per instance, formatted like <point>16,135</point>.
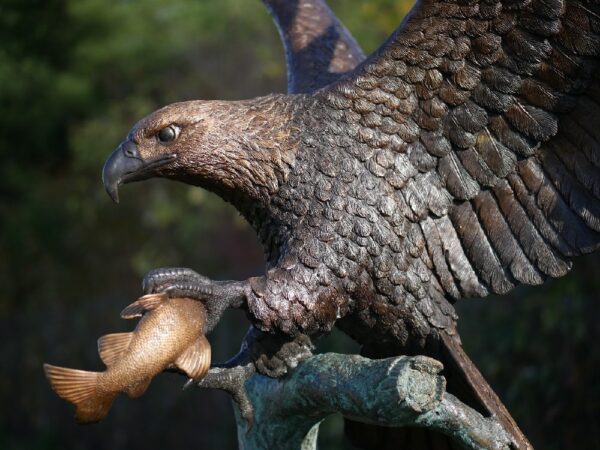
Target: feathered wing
<point>318,48</point>
<point>486,114</point>
<point>483,117</point>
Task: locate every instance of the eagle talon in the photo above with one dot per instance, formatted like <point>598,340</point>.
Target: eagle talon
<point>232,380</point>
<point>182,282</point>
<point>190,382</point>
<point>169,279</point>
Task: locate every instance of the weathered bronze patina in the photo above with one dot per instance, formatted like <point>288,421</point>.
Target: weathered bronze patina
<point>459,160</point>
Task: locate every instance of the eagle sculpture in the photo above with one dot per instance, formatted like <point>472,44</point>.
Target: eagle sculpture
<point>460,159</point>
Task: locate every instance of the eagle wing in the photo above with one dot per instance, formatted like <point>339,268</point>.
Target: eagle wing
<point>318,48</point>
<point>484,117</point>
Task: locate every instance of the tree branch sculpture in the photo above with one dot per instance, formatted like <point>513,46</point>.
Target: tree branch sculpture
<point>392,392</point>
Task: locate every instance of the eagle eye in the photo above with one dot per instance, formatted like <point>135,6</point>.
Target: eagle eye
<point>167,134</point>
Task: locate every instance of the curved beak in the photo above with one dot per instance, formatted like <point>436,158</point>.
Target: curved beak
<point>125,165</point>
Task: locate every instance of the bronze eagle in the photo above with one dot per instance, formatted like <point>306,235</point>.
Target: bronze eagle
<point>460,159</point>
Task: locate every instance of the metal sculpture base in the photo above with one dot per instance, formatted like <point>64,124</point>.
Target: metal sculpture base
<point>394,392</point>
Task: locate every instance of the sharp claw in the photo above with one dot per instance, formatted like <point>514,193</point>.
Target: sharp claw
<point>232,380</point>
<point>189,383</point>
<point>176,279</point>
<point>249,418</point>
<point>145,287</point>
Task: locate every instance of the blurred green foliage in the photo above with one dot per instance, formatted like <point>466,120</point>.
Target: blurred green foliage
<point>75,75</point>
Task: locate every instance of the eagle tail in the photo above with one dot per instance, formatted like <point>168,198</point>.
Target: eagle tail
<point>466,380</point>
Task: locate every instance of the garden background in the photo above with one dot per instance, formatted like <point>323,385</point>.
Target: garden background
<point>75,75</point>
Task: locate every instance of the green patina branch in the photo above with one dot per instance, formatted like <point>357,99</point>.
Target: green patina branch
<point>395,392</point>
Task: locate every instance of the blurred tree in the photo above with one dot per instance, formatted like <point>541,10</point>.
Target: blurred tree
<point>74,76</point>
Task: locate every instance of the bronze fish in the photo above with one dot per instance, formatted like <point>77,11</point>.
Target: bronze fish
<point>170,333</point>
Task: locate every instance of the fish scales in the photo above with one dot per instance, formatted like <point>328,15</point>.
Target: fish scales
<point>169,334</point>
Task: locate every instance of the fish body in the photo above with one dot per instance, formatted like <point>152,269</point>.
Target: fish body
<point>170,333</point>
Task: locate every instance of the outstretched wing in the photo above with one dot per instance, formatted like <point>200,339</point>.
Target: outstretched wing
<point>484,116</point>
<point>318,48</point>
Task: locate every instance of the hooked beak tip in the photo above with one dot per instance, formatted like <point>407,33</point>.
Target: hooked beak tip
<point>112,189</point>
<point>124,160</point>
<point>125,165</point>
<point>114,196</point>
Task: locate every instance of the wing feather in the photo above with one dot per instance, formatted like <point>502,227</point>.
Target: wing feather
<point>499,99</point>
<point>318,48</point>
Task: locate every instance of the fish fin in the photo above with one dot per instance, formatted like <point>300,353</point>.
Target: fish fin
<point>137,390</point>
<point>112,346</point>
<point>143,304</point>
<point>79,388</point>
<point>195,360</point>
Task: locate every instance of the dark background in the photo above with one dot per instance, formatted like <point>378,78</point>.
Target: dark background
<point>74,77</point>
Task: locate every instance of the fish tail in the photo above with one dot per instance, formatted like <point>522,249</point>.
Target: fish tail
<point>80,388</point>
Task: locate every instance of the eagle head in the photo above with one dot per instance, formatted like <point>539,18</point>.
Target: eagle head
<point>166,143</point>
<point>232,148</point>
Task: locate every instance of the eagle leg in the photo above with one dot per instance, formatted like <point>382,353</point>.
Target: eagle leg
<point>217,296</point>
<point>231,377</point>
<point>272,355</point>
